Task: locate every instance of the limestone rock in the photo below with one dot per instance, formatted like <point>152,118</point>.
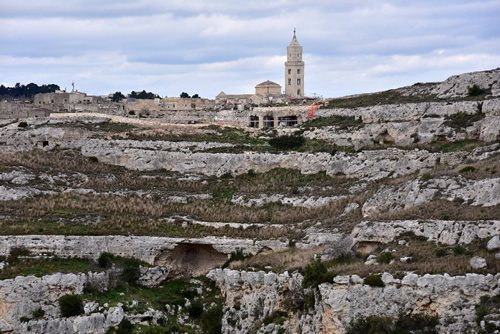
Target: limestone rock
<point>494,243</point>
<point>478,262</point>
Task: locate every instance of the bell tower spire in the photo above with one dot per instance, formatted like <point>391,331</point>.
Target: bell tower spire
<point>294,69</point>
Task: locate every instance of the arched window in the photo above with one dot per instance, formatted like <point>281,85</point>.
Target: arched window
<point>298,92</point>
<point>289,71</point>
<point>298,81</point>
<point>289,82</point>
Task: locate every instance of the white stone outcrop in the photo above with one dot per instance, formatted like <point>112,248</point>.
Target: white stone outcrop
<point>444,231</point>
<point>145,248</point>
<point>416,192</point>
<point>347,298</point>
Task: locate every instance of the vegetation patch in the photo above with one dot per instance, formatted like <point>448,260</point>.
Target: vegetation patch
<point>340,122</point>
<point>71,305</point>
<point>374,281</point>
<point>287,142</point>
<point>404,324</point>
<point>316,273</point>
<point>463,120</point>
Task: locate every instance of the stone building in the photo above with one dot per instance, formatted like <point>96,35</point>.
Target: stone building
<point>268,88</point>
<point>294,69</point>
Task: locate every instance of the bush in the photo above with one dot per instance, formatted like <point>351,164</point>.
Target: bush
<point>71,305</point>
<point>196,309</point>
<point>425,177</point>
<point>131,270</point>
<point>105,260</point>
<point>211,320</point>
<point>22,124</point>
<point>315,274</point>
<point>93,159</point>
<point>125,327</point>
<point>374,281</point>
<point>385,257</point>
<point>131,113</point>
<point>458,250</point>
<point>467,169</point>
<point>441,252</point>
<point>287,142</point>
<point>38,313</point>
<point>238,255</point>
<point>475,90</point>
<point>403,324</point>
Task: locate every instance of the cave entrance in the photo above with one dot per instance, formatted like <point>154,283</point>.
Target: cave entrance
<point>190,259</point>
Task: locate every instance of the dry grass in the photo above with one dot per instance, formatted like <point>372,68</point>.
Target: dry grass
<point>442,210</point>
<point>425,259</point>
<point>290,259</point>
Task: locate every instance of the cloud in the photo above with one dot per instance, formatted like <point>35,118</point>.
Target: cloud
<point>208,46</point>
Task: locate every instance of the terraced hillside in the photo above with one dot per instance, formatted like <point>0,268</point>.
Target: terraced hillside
<point>371,214</point>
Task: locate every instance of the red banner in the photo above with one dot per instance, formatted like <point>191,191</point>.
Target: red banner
<point>312,110</point>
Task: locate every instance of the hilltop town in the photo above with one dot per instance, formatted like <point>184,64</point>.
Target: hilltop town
<point>264,213</point>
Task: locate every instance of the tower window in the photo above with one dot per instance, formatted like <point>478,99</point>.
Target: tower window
<point>298,71</point>
<point>298,92</point>
<point>289,71</point>
<point>289,82</point>
<point>298,81</point>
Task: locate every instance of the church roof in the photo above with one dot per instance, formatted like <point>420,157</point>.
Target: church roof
<point>268,83</point>
<point>294,41</point>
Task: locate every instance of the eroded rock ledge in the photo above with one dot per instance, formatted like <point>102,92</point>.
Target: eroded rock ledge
<point>250,295</point>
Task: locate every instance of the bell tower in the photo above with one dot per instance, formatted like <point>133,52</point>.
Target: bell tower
<point>294,69</point>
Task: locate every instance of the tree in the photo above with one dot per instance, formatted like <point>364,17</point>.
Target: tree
<point>185,95</point>
<point>117,97</point>
<point>195,96</point>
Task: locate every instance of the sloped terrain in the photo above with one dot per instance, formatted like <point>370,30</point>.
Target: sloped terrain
<point>380,210</point>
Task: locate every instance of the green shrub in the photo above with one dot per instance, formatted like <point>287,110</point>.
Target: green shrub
<point>475,90</point>
<point>237,255</point>
<point>458,250</point>
<point>277,317</point>
<point>287,142</point>
<point>426,177</point>
<point>467,169</point>
<point>131,112</point>
<point>125,327</point>
<point>38,313</point>
<point>385,257</point>
<point>309,300</point>
<point>316,273</point>
<point>130,270</point>
<point>441,252</point>
<point>403,324</point>
<point>22,124</point>
<point>105,260</point>
<point>374,281</point>
<point>71,305</point>
<point>195,309</point>
<point>211,320</point>
<point>93,159</point>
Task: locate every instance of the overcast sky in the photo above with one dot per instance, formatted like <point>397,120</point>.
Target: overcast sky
<point>204,47</point>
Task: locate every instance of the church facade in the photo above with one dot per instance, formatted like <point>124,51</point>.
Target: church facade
<point>294,69</point>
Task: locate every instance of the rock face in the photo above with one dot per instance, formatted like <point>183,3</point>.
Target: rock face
<point>389,198</point>
<point>148,249</point>
<point>21,296</point>
<point>444,231</point>
<point>253,294</point>
<point>372,165</point>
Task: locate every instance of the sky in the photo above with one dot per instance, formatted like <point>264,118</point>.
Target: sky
<point>205,47</point>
